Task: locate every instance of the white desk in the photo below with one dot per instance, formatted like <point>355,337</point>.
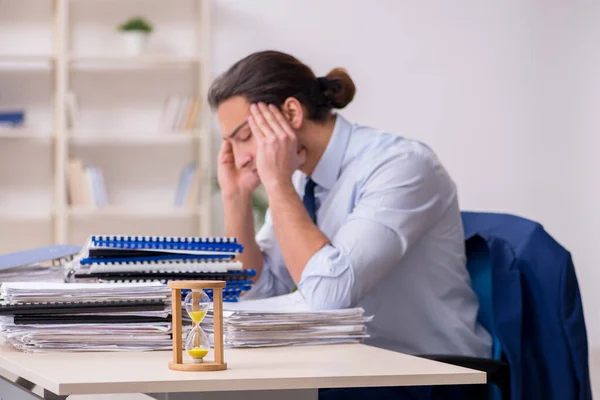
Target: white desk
<point>300,369</point>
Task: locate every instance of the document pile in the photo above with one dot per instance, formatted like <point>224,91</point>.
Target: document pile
<point>33,273</point>
<point>162,258</point>
<point>44,264</point>
<point>286,321</point>
<point>38,316</point>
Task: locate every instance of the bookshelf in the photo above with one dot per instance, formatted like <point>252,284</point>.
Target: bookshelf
<point>109,140</point>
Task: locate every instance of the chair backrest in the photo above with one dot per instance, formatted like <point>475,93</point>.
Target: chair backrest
<point>479,265</point>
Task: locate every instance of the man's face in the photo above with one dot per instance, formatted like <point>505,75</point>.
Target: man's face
<point>233,119</point>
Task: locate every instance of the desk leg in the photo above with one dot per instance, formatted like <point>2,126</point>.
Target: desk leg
<point>296,394</point>
<point>24,383</point>
<point>48,395</point>
<point>10,390</point>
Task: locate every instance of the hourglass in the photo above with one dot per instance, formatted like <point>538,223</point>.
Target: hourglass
<point>197,344</point>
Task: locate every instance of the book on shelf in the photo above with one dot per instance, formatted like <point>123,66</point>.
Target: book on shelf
<point>180,113</point>
<point>85,185</point>
<point>11,119</point>
<point>189,186</point>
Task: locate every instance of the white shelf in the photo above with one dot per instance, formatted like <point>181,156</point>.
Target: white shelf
<point>132,212</point>
<point>26,62</point>
<point>25,215</point>
<point>24,134</point>
<point>26,58</point>
<point>132,138</point>
<point>124,61</point>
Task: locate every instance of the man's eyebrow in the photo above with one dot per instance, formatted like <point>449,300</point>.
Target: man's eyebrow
<point>236,130</point>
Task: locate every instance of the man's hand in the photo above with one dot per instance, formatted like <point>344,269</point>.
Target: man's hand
<point>237,186</point>
<point>277,159</point>
<point>277,156</point>
<point>233,181</point>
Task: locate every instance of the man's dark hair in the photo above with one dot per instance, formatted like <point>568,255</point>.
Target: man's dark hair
<point>272,77</point>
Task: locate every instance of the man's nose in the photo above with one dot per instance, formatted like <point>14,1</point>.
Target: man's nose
<point>242,158</point>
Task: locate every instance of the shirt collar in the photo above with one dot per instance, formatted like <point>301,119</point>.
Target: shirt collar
<point>328,168</point>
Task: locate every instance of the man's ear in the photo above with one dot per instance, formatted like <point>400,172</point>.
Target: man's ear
<point>293,112</point>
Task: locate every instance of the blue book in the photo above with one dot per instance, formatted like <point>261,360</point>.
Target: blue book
<point>38,256</point>
<point>12,118</point>
<point>184,183</point>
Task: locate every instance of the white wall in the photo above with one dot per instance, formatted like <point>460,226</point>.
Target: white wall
<point>503,89</point>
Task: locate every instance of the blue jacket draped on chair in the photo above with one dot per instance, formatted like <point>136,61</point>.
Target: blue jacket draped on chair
<point>537,308</point>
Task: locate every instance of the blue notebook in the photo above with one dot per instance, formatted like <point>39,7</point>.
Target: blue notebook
<point>40,255</point>
<point>166,243</point>
<point>113,248</point>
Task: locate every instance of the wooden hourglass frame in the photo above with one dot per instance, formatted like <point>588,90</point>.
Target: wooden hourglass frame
<point>218,364</point>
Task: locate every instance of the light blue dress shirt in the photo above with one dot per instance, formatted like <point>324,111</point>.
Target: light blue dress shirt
<point>396,248</point>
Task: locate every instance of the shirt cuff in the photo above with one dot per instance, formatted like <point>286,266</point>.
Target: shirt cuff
<point>327,279</point>
<point>262,287</point>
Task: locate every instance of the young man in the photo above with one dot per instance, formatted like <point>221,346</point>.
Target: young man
<point>357,216</point>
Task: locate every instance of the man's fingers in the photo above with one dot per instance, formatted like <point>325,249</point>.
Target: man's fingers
<point>255,130</point>
<point>260,122</point>
<point>226,147</point>
<point>226,152</point>
<point>227,158</point>
<point>285,125</point>
<point>270,120</point>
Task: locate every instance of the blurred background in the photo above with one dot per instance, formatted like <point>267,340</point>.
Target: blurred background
<point>104,126</point>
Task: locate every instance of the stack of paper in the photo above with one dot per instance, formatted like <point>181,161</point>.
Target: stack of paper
<point>288,320</point>
<point>33,273</point>
<point>38,317</point>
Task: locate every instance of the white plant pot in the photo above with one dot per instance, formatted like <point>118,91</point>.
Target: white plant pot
<point>135,42</point>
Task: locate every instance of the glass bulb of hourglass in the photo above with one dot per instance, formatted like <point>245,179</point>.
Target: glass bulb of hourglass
<point>197,344</point>
<point>197,304</point>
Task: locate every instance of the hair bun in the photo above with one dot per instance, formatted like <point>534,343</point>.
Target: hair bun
<point>338,88</point>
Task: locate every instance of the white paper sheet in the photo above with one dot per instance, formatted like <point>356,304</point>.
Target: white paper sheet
<point>60,291</point>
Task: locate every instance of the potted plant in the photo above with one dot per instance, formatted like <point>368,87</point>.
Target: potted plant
<point>260,204</point>
<point>135,32</point>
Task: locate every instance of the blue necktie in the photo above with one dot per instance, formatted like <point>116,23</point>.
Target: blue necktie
<point>309,199</point>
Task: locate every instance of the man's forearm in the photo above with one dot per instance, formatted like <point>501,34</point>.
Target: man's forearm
<point>299,238</point>
<point>239,223</point>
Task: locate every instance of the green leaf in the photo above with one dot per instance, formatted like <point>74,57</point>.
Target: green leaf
<point>260,202</point>
<point>136,24</point>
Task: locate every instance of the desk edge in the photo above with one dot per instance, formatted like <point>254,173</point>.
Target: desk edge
<point>474,377</point>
